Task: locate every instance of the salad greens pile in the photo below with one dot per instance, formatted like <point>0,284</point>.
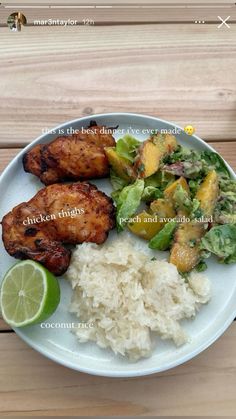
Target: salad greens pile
<point>193,165</point>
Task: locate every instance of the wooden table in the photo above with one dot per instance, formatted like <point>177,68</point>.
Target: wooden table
<point>184,73</point>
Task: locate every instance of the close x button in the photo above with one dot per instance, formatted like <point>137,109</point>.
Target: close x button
<point>223,22</point>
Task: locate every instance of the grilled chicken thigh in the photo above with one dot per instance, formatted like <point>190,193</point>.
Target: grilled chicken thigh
<point>75,157</point>
<point>58,214</point>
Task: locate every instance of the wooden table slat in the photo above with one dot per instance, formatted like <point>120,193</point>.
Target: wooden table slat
<point>33,385</point>
<point>63,74</point>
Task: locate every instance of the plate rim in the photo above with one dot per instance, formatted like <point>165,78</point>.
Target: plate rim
<point>100,372</point>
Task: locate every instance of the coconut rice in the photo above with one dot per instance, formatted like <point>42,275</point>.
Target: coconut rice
<point>127,296</point>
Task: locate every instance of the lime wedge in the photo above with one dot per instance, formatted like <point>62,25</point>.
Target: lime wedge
<point>29,294</point>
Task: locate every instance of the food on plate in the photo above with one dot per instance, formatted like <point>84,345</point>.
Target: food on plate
<point>29,294</point>
<point>74,157</point>
<point>185,251</point>
<point>163,208</point>
<point>151,151</point>
<point>121,165</point>
<point>148,159</point>
<point>131,159</point>
<point>225,209</point>
<point>145,225</point>
<point>221,241</point>
<point>187,193</point>
<point>208,192</point>
<point>162,240</point>
<point>127,202</point>
<point>127,147</point>
<point>39,228</point>
<point>149,297</point>
<point>169,192</point>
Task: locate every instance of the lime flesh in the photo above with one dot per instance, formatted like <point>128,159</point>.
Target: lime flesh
<point>29,294</point>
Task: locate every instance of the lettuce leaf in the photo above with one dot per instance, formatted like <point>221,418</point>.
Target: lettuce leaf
<point>127,202</point>
<point>228,185</point>
<point>127,147</point>
<point>150,193</point>
<point>221,240</point>
<point>225,210</point>
<point>160,179</point>
<point>117,182</point>
<point>201,267</point>
<point>213,160</point>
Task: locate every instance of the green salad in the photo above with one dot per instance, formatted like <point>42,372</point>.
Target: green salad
<point>177,199</point>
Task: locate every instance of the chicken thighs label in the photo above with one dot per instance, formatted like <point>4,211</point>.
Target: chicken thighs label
<point>72,213</point>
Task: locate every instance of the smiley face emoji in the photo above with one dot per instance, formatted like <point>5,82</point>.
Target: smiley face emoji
<point>189,129</point>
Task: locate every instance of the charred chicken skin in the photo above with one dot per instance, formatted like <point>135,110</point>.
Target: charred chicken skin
<point>58,214</point>
<point>79,156</point>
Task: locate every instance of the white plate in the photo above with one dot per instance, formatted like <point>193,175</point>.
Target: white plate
<point>61,345</point>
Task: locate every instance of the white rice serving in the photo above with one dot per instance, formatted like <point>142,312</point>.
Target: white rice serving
<point>126,296</point>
